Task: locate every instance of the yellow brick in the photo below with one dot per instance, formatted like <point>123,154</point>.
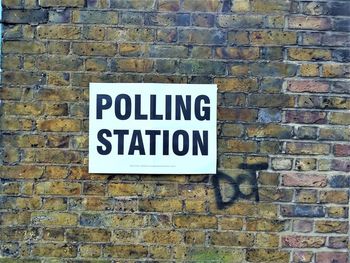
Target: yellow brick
<point>309,70</point>
<point>54,218</point>
<point>54,250</point>
<point>309,54</point>
<point>195,221</point>
<point>90,251</point>
<point>195,237</point>
<point>95,49</point>
<point>135,65</point>
<point>273,38</point>
<point>161,236</point>
<point>63,32</point>
<point>21,172</point>
<point>55,203</point>
<point>230,223</point>
<point>23,47</point>
<point>60,125</point>
<point>241,6</point>
<point>161,205</point>
<point>57,188</point>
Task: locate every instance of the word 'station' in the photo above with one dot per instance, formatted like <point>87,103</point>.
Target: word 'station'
<point>152,128</point>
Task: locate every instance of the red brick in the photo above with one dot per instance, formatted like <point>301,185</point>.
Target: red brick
<point>329,257</point>
<point>298,179</point>
<point>307,86</point>
<point>342,150</point>
<point>306,117</point>
<point>303,241</point>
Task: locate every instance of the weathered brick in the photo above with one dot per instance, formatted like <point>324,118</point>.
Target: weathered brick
<point>269,130</point>
<point>204,6</point>
<point>341,150</point>
<point>23,47</point>
<point>25,16</point>
<point>201,36</point>
<point>61,3</point>
<point>63,32</point>
<point>94,49</point>
<point>324,257</point>
<point>306,117</point>
<point>305,132</point>
<point>269,255</point>
<point>169,5</point>
<point>130,34</point>
<point>273,38</point>
<point>54,218</point>
<point>135,65</point>
<point>337,197</point>
<point>59,250</point>
<point>238,38</point>
<point>195,221</point>
<point>271,100</point>
<point>59,125</point>
<point>302,211</point>
<point>237,53</point>
<point>309,54</point>
<point>331,227</point>
<point>340,118</point>
<point>297,179</point>
<point>95,17</point>
<point>335,71</point>
<point>244,115</point>
<point>303,241</point>
<point>88,235</point>
<point>233,145</point>
<point>162,236</point>
<point>338,242</point>
<point>307,148</point>
<point>202,67</point>
<point>316,23</point>
<point>307,86</point>
<point>270,6</point>
<point>305,164</point>
<point>164,51</point>
<point>160,205</point>
<point>273,69</point>
<point>125,251</point>
<point>309,70</point>
<point>133,4</point>
<point>239,21</point>
<point>57,188</point>
<point>236,85</point>
<point>235,239</point>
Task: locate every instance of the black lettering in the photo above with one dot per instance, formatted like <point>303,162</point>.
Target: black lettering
<point>185,142</point>
<point>199,142</point>
<point>120,134</point>
<point>138,115</point>
<point>101,138</point>
<point>205,110</point>
<point>102,106</point>
<point>117,109</point>
<point>152,140</point>
<point>154,115</point>
<point>168,107</point>
<point>136,143</point>
<point>165,142</point>
<point>181,107</point>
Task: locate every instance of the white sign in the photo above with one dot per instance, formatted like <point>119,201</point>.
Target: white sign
<point>149,128</point>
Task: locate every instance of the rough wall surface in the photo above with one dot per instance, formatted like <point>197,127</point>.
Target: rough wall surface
<point>282,70</point>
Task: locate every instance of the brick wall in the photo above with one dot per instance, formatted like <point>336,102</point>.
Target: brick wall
<point>282,69</point>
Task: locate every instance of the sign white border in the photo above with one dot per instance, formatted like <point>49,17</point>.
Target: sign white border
<point>158,163</point>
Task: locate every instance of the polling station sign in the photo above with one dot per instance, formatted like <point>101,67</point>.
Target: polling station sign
<point>148,128</point>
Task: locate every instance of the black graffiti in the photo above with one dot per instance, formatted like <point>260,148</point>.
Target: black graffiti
<point>247,179</point>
